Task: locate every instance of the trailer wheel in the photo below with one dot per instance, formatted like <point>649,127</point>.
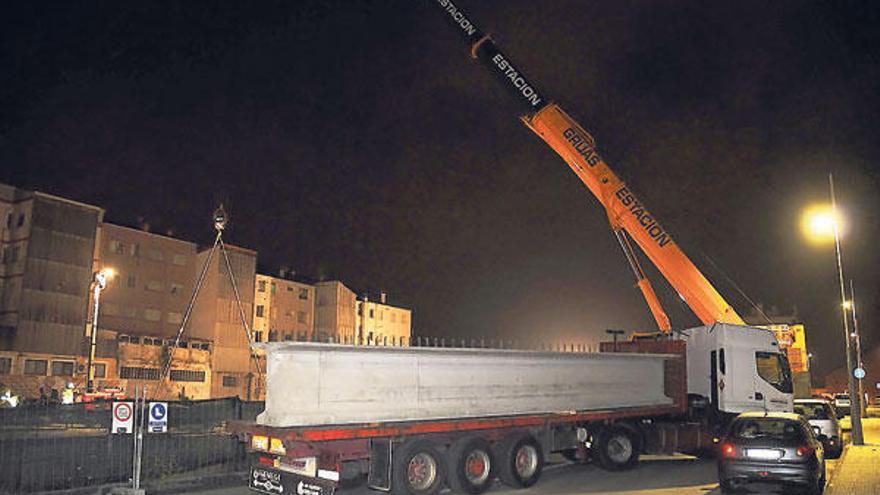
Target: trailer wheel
<point>471,465</point>
<point>417,469</point>
<point>617,448</point>
<point>520,461</point>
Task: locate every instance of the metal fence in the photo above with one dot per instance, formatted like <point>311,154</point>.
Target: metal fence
<point>55,446</point>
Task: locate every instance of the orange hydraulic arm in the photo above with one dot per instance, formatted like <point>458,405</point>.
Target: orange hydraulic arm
<point>625,212</point>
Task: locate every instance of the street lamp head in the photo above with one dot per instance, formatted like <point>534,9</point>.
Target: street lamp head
<point>847,305</point>
<point>819,221</point>
<point>103,276</point>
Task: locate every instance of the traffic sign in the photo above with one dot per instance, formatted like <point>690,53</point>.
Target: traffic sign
<point>123,417</point>
<point>158,417</point>
<point>859,373</point>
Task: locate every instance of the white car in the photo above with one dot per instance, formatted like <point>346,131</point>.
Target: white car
<point>820,413</point>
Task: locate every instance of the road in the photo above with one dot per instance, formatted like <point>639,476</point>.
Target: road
<point>655,475</point>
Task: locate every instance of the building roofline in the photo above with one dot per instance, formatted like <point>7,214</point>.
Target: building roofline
<point>150,233</point>
<point>100,210</point>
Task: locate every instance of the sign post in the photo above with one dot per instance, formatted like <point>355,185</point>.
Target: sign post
<point>123,417</point>
<point>158,421</point>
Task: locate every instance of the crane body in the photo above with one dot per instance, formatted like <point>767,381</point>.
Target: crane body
<point>627,214</point>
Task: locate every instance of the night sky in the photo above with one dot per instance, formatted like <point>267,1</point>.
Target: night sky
<point>358,141</point>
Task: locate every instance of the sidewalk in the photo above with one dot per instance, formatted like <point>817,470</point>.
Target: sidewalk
<point>857,471</point>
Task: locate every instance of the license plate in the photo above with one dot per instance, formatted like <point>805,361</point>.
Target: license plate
<point>765,454</point>
<point>273,482</point>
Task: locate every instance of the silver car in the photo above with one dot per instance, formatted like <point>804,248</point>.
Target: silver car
<point>821,413</point>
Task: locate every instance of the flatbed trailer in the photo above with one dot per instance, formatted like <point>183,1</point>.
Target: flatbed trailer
<point>468,453</point>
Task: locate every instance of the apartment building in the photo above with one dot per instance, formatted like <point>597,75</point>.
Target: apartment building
<point>218,319</point>
<point>47,248</point>
<point>379,323</point>
<point>335,308</point>
<point>284,310</point>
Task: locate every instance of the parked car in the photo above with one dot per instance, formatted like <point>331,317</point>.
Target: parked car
<point>842,404</point>
<point>778,448</point>
<point>820,413</point>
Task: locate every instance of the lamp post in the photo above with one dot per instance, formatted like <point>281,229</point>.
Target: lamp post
<point>820,224</point>
<point>857,339</point>
<point>99,283</point>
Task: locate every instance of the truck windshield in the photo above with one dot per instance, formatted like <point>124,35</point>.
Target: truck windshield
<point>773,369</point>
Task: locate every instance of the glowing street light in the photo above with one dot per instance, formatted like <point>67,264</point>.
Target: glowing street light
<point>822,223</point>
<point>99,283</point>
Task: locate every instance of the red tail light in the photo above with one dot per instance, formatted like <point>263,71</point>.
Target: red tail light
<point>266,461</point>
<point>728,450</point>
<point>804,451</point>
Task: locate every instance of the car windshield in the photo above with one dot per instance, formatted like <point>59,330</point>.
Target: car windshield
<point>768,428</point>
<point>813,410</point>
<point>841,397</point>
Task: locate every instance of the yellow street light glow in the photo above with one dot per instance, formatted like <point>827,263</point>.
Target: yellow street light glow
<point>108,272</point>
<point>818,223</point>
<point>847,304</point>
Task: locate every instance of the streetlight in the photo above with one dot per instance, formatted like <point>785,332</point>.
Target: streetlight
<point>820,223</point>
<point>99,283</point>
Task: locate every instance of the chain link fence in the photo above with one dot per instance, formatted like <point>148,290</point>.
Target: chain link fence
<point>46,447</point>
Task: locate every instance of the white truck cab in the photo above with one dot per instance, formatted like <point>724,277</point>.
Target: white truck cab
<point>738,368</point>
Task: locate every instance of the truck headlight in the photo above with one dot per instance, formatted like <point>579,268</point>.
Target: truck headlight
<point>260,442</point>
<point>276,446</point>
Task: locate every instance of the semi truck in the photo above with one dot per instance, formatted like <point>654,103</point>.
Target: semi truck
<point>414,420</point>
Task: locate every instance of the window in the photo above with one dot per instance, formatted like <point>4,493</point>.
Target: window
<point>273,287</point>
<point>154,285</point>
<point>230,381</point>
<point>117,247</point>
<point>205,346</point>
<point>273,336</point>
<point>182,344</point>
<point>301,316</point>
<point>123,338</point>
<point>381,315</point>
<point>135,250</point>
<point>175,318</point>
<point>289,289</point>
<point>20,220</point>
<point>288,336</point>
<point>62,368</point>
<point>179,260</point>
<point>134,339</point>
<point>176,288</point>
<point>261,286</point>
<point>156,342</point>
<point>132,281</point>
<point>35,367</point>
<point>137,373</point>
<point>156,255</point>
<point>814,410</point>
<point>722,366</point>
<point>372,313</point>
<point>9,220</point>
<point>100,370</point>
<point>360,310</point>
<point>773,369</point>
<point>304,294</point>
<point>5,366</point>
<point>152,314</point>
<point>258,336</point>
<point>260,310</point>
<point>187,376</point>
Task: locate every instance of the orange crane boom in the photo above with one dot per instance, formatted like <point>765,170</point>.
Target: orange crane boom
<point>627,215</point>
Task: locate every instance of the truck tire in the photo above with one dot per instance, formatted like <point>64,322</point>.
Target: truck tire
<point>617,448</point>
<point>520,460</point>
<point>471,466</point>
<point>417,468</point>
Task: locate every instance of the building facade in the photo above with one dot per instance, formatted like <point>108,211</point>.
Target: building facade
<point>379,323</point>
<point>284,310</point>
<point>48,244</point>
<point>335,308</point>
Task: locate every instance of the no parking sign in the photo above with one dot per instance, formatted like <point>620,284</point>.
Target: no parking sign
<point>158,412</point>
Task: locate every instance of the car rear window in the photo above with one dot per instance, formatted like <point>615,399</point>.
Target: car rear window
<point>813,411</point>
<point>768,428</point>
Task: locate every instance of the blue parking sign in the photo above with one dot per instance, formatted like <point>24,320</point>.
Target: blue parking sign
<point>158,420</point>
